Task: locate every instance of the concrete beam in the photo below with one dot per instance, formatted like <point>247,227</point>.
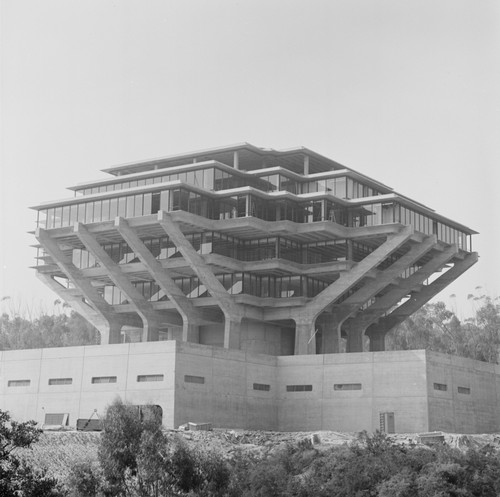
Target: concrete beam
<point>382,280</point>
<point>109,327</point>
<point>405,310</point>
<point>391,298</point>
<point>74,274</point>
<point>349,279</point>
<point>144,308</point>
<point>191,315</point>
<point>233,313</point>
<point>345,280</point>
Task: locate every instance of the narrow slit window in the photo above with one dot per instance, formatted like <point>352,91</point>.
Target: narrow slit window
<point>440,386</point>
<point>103,379</point>
<point>347,386</point>
<point>261,386</point>
<point>464,390</point>
<point>19,383</point>
<point>60,381</point>
<point>149,377</point>
<point>194,379</point>
<point>299,388</point>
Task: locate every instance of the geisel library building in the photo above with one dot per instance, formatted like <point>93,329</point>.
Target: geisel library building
<point>249,288</point>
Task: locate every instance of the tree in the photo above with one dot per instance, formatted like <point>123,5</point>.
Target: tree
<point>434,327</point>
<point>119,446</point>
<point>84,479</point>
<point>17,479</point>
<point>47,330</point>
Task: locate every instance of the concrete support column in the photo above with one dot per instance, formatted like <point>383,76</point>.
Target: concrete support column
<point>111,333</point>
<point>236,160</point>
<point>355,336</point>
<point>305,336</point>
<point>232,332</point>
<point>330,333</point>
<point>150,332</point>
<point>190,332</point>
<point>306,165</point>
<point>377,334</point>
<point>349,250</point>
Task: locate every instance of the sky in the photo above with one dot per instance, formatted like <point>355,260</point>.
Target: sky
<point>404,91</point>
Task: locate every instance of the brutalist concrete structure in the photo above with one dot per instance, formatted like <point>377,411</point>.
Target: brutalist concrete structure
<point>245,275</point>
<point>398,391</point>
<point>274,252</point>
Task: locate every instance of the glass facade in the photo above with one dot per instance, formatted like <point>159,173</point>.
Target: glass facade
<point>210,179</point>
<point>266,286</point>
<point>248,204</point>
<point>219,243</point>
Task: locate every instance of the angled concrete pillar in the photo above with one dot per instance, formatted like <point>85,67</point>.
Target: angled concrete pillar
<point>349,278</point>
<point>144,308</point>
<point>233,312</point>
<point>392,297</point>
<point>105,323</point>
<point>427,292</point>
<point>84,298</point>
<point>74,274</point>
<point>191,316</point>
<point>383,278</point>
<point>359,271</point>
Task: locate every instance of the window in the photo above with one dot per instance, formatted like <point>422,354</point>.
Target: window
<point>299,388</point>
<point>149,377</point>
<point>104,379</point>
<point>347,386</point>
<point>194,379</point>
<point>464,390</point>
<point>440,386</point>
<point>19,383</point>
<point>60,381</point>
<point>261,386</point>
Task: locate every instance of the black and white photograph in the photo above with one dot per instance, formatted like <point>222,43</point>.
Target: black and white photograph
<point>249,248</point>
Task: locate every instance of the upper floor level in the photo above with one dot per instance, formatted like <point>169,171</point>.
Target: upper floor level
<point>239,181</point>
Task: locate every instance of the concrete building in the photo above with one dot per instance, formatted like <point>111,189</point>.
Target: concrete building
<point>246,248</point>
<point>402,391</point>
<point>279,257</point>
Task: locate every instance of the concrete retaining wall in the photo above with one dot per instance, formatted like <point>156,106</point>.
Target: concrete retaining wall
<point>241,389</point>
<point>463,394</point>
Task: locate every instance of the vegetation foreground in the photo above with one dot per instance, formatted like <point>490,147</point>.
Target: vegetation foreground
<point>134,458</point>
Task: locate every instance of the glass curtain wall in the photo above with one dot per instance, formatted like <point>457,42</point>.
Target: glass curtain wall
<point>234,283</point>
<point>241,205</point>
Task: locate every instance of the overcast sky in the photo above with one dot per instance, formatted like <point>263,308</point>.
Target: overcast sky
<point>406,92</point>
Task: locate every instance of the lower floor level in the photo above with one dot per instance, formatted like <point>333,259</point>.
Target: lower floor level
<point>397,391</point>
